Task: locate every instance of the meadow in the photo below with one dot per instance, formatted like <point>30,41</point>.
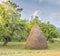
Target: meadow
<point>18,49</point>
<point>16,28</point>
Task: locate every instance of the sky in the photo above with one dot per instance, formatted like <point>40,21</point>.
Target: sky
<point>47,10</point>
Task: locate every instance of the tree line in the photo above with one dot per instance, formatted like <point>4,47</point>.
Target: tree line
<point>13,28</point>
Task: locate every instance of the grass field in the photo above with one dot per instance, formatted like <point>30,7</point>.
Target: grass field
<point>18,49</point>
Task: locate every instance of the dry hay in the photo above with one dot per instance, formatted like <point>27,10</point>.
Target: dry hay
<point>36,39</point>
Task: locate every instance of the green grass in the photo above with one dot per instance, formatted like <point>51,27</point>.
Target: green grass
<point>18,48</point>
<point>21,46</point>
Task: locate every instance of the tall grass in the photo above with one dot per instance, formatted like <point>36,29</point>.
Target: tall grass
<point>18,49</point>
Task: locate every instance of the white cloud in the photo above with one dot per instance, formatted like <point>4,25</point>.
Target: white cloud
<point>5,0</point>
<point>1,1</point>
<point>41,0</point>
<point>51,1</point>
<point>54,18</point>
<point>36,13</point>
<point>54,1</point>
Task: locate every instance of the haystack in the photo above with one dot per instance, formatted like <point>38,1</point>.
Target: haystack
<point>36,39</point>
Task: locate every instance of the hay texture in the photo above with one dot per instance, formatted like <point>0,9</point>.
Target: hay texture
<point>36,39</point>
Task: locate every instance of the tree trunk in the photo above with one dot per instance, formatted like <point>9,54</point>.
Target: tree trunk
<point>5,42</point>
<point>7,39</point>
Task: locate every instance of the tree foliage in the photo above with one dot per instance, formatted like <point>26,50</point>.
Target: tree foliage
<point>9,20</point>
<point>13,28</point>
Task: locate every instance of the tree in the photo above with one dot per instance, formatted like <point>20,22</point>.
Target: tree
<point>50,32</point>
<point>9,19</point>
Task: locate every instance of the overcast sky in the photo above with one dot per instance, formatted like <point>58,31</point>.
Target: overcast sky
<point>47,10</point>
